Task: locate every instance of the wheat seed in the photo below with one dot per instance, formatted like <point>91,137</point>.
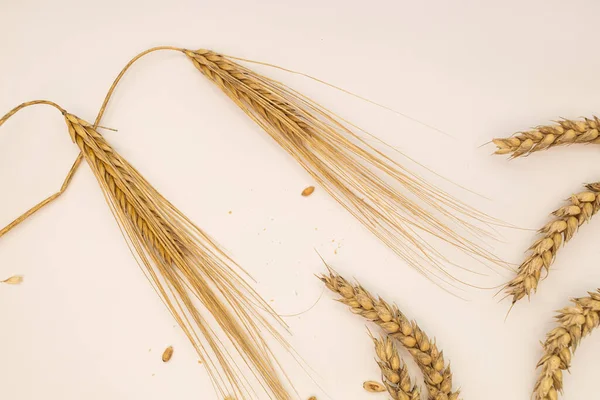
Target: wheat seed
<point>544,137</point>
<point>394,371</point>
<point>13,280</point>
<point>575,323</point>
<point>582,206</point>
<point>438,376</point>
<point>308,191</point>
<point>167,354</point>
<point>373,387</point>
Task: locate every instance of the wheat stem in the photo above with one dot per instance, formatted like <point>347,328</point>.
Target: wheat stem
<point>582,206</point>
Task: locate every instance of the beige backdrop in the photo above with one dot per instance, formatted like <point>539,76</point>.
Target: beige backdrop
<point>86,325</point>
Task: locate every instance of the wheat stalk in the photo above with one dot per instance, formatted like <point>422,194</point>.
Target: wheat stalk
<point>185,266</point>
<point>438,376</point>
<point>575,323</point>
<point>544,137</point>
<point>394,371</point>
<point>582,206</point>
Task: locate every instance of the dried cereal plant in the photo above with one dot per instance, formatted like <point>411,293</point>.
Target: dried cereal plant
<point>438,376</point>
<point>394,371</point>
<point>544,137</point>
<point>201,286</point>
<point>361,178</point>
<point>567,220</point>
<point>575,323</point>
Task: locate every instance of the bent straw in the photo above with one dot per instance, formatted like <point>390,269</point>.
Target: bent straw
<point>185,266</point>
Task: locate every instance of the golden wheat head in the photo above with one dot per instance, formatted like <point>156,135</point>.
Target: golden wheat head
<point>565,132</point>
<point>575,323</point>
<point>567,220</point>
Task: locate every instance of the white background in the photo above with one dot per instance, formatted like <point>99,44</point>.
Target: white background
<point>86,325</point>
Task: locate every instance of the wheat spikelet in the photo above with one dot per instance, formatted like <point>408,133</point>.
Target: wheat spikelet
<point>575,323</point>
<point>544,137</point>
<point>438,375</point>
<point>582,206</point>
<point>394,371</point>
<point>186,267</point>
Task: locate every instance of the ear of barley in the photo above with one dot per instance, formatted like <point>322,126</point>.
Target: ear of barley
<point>201,286</point>
<point>544,137</point>
<point>438,376</point>
<point>567,220</point>
<point>575,323</point>
<point>351,170</point>
<point>394,371</point>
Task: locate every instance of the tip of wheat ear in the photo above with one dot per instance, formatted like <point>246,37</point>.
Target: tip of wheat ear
<point>575,323</point>
<point>544,137</point>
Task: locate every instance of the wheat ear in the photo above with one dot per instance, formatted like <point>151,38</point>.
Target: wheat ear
<point>186,267</point>
<point>438,376</point>
<point>575,323</point>
<point>394,371</point>
<point>544,137</point>
<point>582,206</point>
<point>347,167</point>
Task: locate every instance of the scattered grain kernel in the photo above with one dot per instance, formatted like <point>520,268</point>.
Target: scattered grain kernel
<point>372,386</point>
<point>167,354</point>
<point>308,191</point>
